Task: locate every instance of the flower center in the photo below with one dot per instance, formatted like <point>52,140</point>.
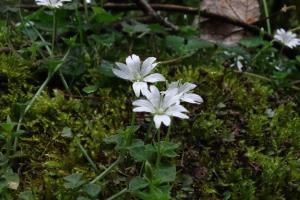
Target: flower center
<point>138,77</point>
<point>160,111</point>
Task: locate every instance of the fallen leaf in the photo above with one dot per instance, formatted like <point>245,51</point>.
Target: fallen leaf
<point>247,11</point>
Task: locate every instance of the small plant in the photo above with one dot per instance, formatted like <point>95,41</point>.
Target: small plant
<point>9,180</point>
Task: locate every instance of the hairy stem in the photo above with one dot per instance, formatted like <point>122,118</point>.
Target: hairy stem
<point>37,94</point>
<point>82,149</point>
<point>118,194</point>
<point>158,148</point>
<point>107,170</point>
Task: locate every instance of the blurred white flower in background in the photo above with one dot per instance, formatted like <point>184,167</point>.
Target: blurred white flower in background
<point>138,72</point>
<point>185,92</point>
<point>51,3</point>
<point>162,106</point>
<point>25,24</point>
<point>288,38</point>
<point>238,63</point>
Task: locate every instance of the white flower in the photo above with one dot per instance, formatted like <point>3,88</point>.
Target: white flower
<point>238,63</point>
<point>51,3</point>
<point>88,1</point>
<point>161,105</point>
<point>288,38</point>
<point>184,90</point>
<point>26,24</point>
<point>139,73</point>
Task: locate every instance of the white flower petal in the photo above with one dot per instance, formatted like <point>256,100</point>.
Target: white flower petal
<point>287,38</point>
<point>176,108</point>
<point>148,65</point>
<point>51,3</point>
<point>122,74</point>
<point>171,101</point>
<point>133,63</point>
<point>192,98</point>
<point>158,119</point>
<point>123,67</point>
<point>142,109</point>
<point>180,115</point>
<point>186,87</point>
<point>152,78</point>
<point>138,87</point>
<point>144,103</point>
<point>153,96</point>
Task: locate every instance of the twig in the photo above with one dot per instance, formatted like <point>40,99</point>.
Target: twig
<point>147,9</point>
<point>5,50</point>
<point>175,60</point>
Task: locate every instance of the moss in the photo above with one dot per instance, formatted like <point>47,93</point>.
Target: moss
<point>234,149</point>
<point>248,153</point>
<point>14,83</point>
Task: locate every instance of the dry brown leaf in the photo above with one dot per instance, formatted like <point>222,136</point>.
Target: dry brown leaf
<point>247,11</point>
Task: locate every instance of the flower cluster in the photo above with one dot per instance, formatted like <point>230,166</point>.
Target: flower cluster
<point>51,3</point>
<point>287,38</point>
<point>162,105</point>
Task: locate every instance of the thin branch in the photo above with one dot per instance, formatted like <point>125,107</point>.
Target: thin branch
<point>147,9</point>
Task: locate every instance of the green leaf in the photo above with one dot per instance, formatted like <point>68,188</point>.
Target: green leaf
<point>52,64</point>
<point>251,42</point>
<point>135,28</point>
<point>106,40</point>
<point>298,58</point>
<point>82,198</point>
<point>90,89</point>
<point>137,183</point>
<point>26,195</point>
<point>114,139</point>
<point>154,193</point>
<point>195,44</point>
<point>91,189</point>
<point>168,149</point>
<point>106,69</point>
<point>148,170</point>
<point>73,181</point>
<point>12,179</point>
<point>141,152</point>
<point>280,75</point>
<point>175,43</point>
<point>102,16</point>
<point>165,174</point>
<point>8,126</point>
<point>157,28</point>
<point>67,132</point>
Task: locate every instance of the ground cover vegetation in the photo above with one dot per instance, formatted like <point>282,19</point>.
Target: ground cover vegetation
<point>149,100</point>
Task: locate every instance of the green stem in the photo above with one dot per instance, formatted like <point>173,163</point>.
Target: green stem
<point>85,8</point>
<point>148,131</point>
<point>169,132</point>
<point>118,194</point>
<point>54,27</point>
<point>266,9</point>
<point>66,86</point>
<point>37,94</point>
<point>158,148</point>
<point>107,170</point>
<point>87,156</point>
<point>295,29</point>
<point>261,51</point>
<point>130,136</point>
<point>78,16</point>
